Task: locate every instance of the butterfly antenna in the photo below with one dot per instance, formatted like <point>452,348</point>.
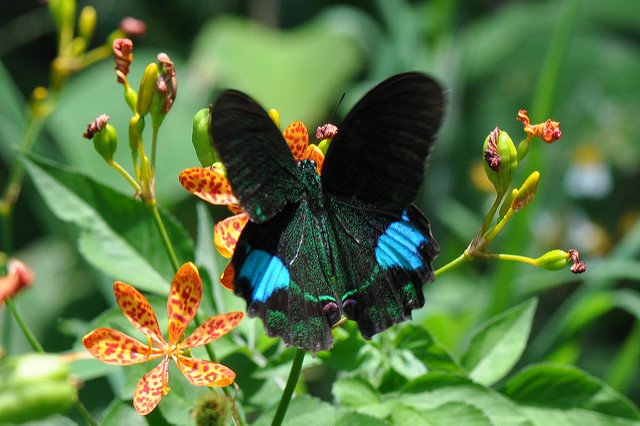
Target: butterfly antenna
<point>336,107</point>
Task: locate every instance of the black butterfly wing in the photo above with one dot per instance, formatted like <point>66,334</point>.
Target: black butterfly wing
<point>259,164</point>
<point>283,270</point>
<point>379,153</point>
<point>383,259</point>
<point>371,175</point>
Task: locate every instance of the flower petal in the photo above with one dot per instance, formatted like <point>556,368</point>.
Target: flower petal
<point>151,388</point>
<point>205,373</point>
<point>314,153</point>
<point>227,277</point>
<point>114,347</point>
<point>297,138</point>
<point>226,233</point>
<point>184,298</point>
<point>212,329</point>
<point>209,184</point>
<point>137,309</point>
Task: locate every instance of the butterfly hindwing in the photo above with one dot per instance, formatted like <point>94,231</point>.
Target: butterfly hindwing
<point>383,260</point>
<point>379,153</point>
<point>283,271</point>
<point>259,165</point>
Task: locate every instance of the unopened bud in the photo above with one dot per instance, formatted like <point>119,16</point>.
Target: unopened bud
<point>87,23</point>
<point>132,27</point>
<point>275,116</point>
<point>105,142</point>
<point>63,13</point>
<point>553,260</point>
<point>501,159</point>
<point>201,138</point>
<point>147,89</point>
<point>34,386</point>
<point>213,409</point>
<point>526,192</point>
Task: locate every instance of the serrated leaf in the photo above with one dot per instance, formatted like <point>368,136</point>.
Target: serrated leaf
<point>495,347</point>
<point>117,233</point>
<point>564,387</point>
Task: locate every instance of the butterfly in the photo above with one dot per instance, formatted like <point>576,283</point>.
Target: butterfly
<point>344,244</point>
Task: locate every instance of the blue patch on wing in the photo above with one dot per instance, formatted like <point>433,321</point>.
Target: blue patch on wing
<point>399,246</point>
<point>266,274</point>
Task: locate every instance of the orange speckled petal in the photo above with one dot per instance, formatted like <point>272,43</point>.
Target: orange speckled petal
<point>226,233</point>
<point>205,373</point>
<point>314,153</point>
<point>235,208</point>
<point>137,309</point>
<point>297,138</point>
<point>227,277</point>
<point>212,329</point>
<point>114,347</point>
<point>184,298</point>
<point>151,388</point>
<point>209,184</point>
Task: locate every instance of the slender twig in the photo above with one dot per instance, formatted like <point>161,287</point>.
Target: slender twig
<point>294,374</point>
<point>23,326</point>
<point>165,237</point>
<point>453,264</point>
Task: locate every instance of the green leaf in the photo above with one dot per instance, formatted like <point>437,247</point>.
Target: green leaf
<point>496,346</point>
<point>299,84</point>
<point>564,387</point>
<point>117,233</point>
<point>434,390</point>
<point>12,119</point>
<point>122,413</point>
<point>463,413</point>
<point>354,392</point>
<point>307,410</point>
<point>422,345</point>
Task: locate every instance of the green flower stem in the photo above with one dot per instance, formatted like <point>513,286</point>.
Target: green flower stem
<point>453,264</point>
<point>154,142</point>
<point>125,174</point>
<point>23,326</point>
<point>165,237</point>
<point>84,412</point>
<point>492,212</point>
<point>491,234</point>
<point>513,257</point>
<point>294,374</point>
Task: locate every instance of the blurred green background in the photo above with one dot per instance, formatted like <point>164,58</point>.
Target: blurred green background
<point>577,62</point>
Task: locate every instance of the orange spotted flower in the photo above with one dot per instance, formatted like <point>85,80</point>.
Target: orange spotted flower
<point>211,185</point>
<point>114,347</point>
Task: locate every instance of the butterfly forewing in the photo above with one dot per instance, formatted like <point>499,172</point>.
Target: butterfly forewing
<point>260,167</point>
<point>379,153</point>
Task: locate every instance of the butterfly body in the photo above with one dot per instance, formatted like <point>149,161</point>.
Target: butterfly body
<point>344,244</point>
